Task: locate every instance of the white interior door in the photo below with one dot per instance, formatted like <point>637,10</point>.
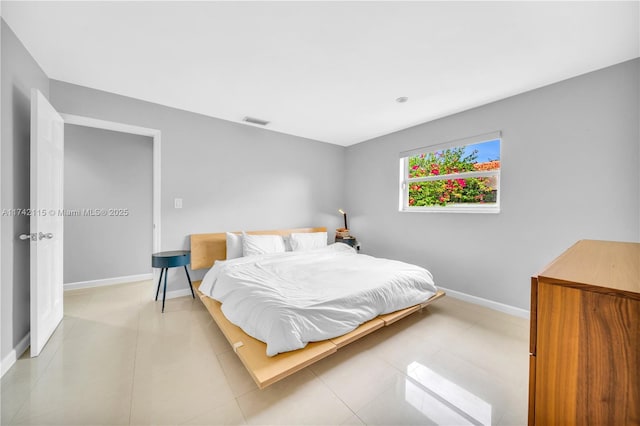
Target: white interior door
<point>47,172</point>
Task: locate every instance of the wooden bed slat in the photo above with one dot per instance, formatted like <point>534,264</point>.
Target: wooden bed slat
<point>397,315</point>
<point>363,330</point>
<point>268,370</point>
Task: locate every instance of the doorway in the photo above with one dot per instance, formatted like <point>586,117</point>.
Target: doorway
<point>155,135</point>
<point>108,207</point>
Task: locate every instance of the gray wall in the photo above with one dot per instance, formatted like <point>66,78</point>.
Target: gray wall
<point>230,176</point>
<point>19,74</point>
<point>107,170</point>
<point>570,154</point>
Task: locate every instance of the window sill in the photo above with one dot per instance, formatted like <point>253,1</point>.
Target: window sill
<point>453,209</point>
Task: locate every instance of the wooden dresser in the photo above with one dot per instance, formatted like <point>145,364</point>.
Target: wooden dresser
<point>585,337</point>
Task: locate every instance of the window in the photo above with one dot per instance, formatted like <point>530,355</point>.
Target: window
<point>458,176</point>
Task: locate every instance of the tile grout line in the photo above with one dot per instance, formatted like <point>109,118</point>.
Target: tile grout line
<point>135,360</point>
<point>325,384</point>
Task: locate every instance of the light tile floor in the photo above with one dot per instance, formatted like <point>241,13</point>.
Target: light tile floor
<point>116,359</point>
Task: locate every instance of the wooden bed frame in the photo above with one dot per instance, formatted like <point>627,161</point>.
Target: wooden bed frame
<point>265,370</point>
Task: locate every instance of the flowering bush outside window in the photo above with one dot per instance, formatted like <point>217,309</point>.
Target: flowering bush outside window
<point>453,178</point>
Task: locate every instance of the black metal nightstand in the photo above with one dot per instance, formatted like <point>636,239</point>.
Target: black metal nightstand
<point>350,241</point>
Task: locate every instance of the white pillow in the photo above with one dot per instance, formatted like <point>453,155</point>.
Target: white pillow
<point>262,244</point>
<point>287,242</point>
<point>308,241</point>
<point>234,245</point>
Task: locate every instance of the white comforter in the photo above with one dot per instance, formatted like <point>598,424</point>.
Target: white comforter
<point>289,299</point>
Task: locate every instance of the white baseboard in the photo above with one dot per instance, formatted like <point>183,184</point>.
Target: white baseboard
<point>12,357</point>
<point>108,281</point>
<point>496,306</point>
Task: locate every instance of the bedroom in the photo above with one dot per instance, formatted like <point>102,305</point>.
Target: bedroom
<point>555,136</point>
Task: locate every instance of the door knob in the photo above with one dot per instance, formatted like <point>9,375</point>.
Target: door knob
<point>48,235</point>
<point>29,237</point>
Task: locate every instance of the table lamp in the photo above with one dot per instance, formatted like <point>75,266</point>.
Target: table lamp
<point>343,213</point>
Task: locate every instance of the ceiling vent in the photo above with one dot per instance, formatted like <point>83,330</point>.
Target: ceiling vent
<point>254,120</point>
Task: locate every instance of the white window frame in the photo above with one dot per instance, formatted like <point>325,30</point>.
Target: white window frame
<point>405,180</point>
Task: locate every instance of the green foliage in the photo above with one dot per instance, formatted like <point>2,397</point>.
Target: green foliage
<point>454,190</point>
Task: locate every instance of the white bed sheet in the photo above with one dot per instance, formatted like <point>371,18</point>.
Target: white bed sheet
<point>289,299</point>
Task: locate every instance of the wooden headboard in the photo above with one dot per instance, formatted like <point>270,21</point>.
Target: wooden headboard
<point>207,248</point>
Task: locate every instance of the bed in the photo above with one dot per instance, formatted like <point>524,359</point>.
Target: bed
<point>289,351</point>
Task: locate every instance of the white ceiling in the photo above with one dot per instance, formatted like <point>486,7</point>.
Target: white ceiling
<point>329,71</point>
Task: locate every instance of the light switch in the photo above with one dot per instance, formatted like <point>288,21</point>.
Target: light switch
<point>177,203</point>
